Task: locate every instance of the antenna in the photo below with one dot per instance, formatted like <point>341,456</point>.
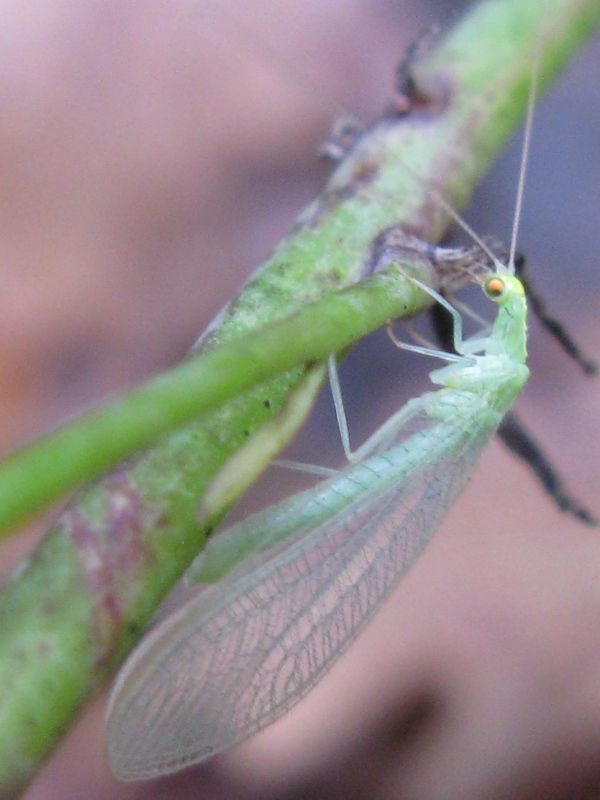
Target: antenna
<point>524,157</point>
<point>499,266</point>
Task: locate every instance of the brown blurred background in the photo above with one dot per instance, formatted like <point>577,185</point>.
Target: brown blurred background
<point>151,154</point>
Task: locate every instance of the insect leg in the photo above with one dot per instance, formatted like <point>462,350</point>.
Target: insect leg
<point>382,435</point>
<point>550,323</point>
<point>516,437</point>
<point>459,347</point>
<point>457,329</point>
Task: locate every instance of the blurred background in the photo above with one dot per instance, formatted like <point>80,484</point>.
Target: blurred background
<point>151,155</point>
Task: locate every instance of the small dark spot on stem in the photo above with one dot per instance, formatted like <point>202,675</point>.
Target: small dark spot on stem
<point>133,628</point>
<point>44,650</point>
<point>364,174</point>
<point>29,722</point>
<point>49,607</point>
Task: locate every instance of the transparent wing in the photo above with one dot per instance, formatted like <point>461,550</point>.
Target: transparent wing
<point>244,652</point>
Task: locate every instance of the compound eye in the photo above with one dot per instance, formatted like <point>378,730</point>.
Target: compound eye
<point>494,287</point>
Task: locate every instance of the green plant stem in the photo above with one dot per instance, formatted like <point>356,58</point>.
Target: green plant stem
<point>197,385</point>
<point>73,611</point>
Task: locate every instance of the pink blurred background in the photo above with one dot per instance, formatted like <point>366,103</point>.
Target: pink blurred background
<point>151,154</point>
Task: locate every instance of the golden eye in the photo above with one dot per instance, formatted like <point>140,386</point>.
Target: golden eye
<point>494,286</point>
